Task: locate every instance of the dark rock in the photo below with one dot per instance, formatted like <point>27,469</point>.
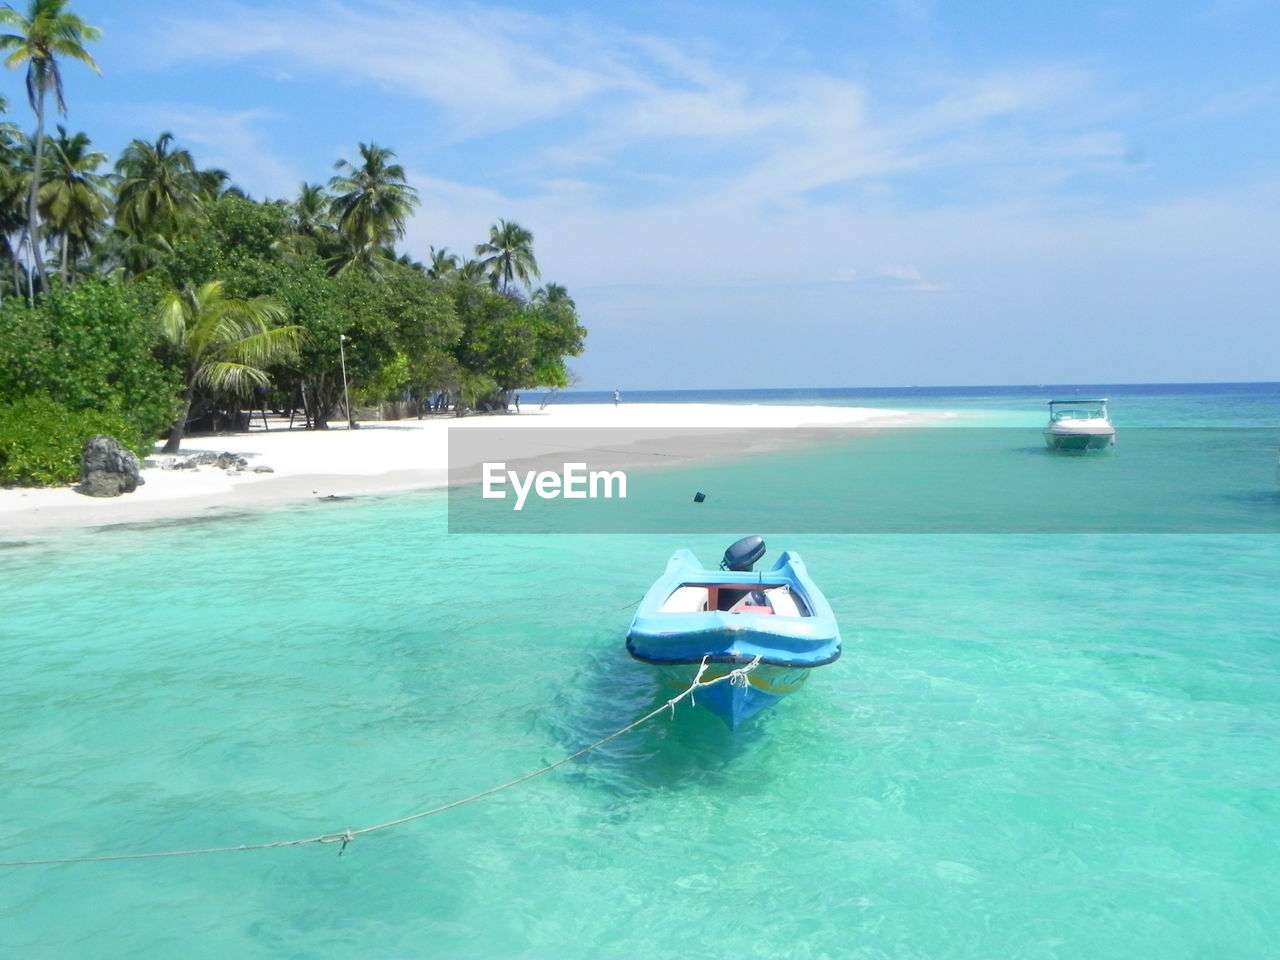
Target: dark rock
<point>263,468</point>
<point>223,461</point>
<point>108,469</point>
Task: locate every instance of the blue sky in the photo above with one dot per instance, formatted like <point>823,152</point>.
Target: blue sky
<point>888,192</point>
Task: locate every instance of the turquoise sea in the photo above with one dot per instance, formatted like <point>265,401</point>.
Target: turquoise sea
<point>1035,746</point>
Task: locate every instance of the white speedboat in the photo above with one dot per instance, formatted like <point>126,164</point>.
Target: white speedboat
<point>1079,425</point>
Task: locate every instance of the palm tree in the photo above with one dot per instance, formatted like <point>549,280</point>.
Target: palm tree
<point>73,198</point>
<point>124,254</point>
<point>471,273</point>
<point>371,204</point>
<point>443,263</point>
<point>341,254</point>
<point>15,171</point>
<point>309,217</point>
<point>553,295</point>
<point>46,33</point>
<point>472,387</point>
<point>158,184</point>
<point>214,183</point>
<point>224,342</point>
<point>508,255</point>
<point>406,260</point>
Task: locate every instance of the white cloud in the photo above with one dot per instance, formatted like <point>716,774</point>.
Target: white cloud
<point>489,69</point>
<point>907,278</point>
<point>630,108</point>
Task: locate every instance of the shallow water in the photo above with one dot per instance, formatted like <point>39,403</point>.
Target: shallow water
<point>1035,746</point>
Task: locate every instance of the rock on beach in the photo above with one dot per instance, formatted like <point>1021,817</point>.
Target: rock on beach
<point>108,469</point>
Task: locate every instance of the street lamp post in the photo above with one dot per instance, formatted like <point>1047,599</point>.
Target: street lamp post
<point>346,396</point>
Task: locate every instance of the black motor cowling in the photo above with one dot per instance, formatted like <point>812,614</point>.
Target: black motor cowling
<point>743,555</point>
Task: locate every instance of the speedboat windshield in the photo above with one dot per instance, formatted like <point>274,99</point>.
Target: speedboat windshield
<point>1077,410</point>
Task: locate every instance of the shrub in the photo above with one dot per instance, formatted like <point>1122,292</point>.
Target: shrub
<point>90,347</point>
<point>41,440</point>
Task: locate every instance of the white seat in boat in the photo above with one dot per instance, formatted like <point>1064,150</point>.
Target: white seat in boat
<point>686,599</point>
<point>783,603</point>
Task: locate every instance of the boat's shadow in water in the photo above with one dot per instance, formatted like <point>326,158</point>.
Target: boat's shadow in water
<point>676,749</point>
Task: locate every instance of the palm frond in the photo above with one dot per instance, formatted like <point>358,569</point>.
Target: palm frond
<point>229,375</point>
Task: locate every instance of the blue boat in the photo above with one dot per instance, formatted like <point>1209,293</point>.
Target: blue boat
<point>729,618</point>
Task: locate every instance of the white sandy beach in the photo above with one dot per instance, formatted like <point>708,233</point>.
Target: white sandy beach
<point>380,457</point>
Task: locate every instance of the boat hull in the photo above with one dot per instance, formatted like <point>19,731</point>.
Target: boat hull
<point>1080,440</point>
<point>739,699</point>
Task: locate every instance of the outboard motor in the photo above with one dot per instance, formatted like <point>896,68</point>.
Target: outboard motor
<point>743,555</point>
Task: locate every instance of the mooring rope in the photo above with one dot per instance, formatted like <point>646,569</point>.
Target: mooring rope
<point>344,837</point>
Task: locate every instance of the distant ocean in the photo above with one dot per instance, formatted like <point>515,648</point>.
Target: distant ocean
<point>1136,404</point>
<point>1035,745</point>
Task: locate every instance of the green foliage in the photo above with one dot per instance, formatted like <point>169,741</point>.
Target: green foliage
<point>371,202</point>
<point>223,342</point>
<point>327,260</point>
<point>326,308</point>
<point>471,389</point>
<point>234,240</point>
<point>397,312</point>
<point>508,255</point>
<point>91,347</point>
<point>520,345</point>
<point>423,325</point>
<point>396,325</point>
<point>491,336</point>
<point>557,334</point>
<point>386,384</point>
<point>73,200</point>
<point>157,188</point>
<point>41,440</point>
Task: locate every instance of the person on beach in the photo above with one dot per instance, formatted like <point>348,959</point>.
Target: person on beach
<point>517,403</point>
<point>617,398</point>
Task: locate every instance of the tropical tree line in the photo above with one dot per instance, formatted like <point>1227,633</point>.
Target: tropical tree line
<point>155,293</point>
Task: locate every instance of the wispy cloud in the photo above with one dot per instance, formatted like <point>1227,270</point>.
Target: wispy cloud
<point>1236,103</point>
<point>902,278</point>
<point>907,278</point>
<point>488,68</point>
<point>233,140</point>
<point>643,105</point>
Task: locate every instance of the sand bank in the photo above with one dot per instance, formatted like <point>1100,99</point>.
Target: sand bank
<point>380,457</point>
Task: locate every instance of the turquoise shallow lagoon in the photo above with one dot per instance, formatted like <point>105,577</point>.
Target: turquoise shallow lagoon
<point>1035,746</point>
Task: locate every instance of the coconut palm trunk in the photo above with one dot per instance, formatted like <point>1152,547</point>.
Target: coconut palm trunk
<point>31,275</point>
<point>33,197</point>
<point>179,428</point>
